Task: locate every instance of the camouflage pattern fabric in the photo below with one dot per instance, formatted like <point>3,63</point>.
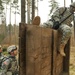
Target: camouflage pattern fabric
<point>64,28</point>
<point>1,57</point>
<point>9,66</point>
<point>65,33</point>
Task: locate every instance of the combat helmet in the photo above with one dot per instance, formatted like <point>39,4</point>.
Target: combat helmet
<point>73,4</point>
<point>11,48</point>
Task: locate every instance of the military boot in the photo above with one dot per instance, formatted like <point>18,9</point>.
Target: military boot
<point>61,49</point>
<point>36,20</point>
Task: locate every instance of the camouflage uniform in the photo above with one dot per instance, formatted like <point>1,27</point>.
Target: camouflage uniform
<point>1,58</point>
<point>65,27</point>
<point>10,65</point>
<point>1,55</point>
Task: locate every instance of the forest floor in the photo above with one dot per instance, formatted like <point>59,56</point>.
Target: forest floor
<point>72,61</point>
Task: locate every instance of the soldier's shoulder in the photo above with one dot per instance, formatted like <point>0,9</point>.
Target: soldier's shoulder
<point>5,61</point>
<point>62,8</point>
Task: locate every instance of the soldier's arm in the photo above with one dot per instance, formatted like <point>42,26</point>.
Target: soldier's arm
<point>56,15</point>
<point>50,22</point>
<point>5,66</point>
<point>59,13</point>
<point>47,24</point>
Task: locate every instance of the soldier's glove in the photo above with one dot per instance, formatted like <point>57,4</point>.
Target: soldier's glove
<point>56,25</point>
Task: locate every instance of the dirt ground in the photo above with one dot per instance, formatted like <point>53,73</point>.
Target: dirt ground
<point>72,61</point>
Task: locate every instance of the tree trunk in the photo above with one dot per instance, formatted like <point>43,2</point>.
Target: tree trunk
<point>23,11</point>
<point>33,9</point>
<point>28,11</point>
<point>10,27</point>
<point>64,3</point>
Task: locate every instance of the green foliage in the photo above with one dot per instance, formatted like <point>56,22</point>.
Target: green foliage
<point>1,6</point>
<point>5,53</point>
<point>15,1</point>
<point>6,1</point>
<point>0,2</point>
<point>53,5</point>
<point>4,49</point>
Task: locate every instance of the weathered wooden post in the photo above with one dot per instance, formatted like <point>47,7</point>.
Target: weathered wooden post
<point>39,51</point>
<point>22,49</point>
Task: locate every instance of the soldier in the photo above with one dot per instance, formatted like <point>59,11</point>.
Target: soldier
<point>9,66</point>
<point>1,51</point>
<point>1,56</point>
<point>61,21</point>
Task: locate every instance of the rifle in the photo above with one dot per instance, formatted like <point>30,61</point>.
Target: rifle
<point>57,23</point>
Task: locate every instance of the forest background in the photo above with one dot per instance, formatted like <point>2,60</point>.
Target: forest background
<point>11,16</point>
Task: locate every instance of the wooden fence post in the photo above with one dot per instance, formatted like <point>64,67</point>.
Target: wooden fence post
<point>22,49</point>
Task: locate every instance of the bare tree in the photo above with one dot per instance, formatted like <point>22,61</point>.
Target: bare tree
<point>33,9</point>
<point>23,11</point>
<point>28,11</point>
<point>64,3</point>
<point>53,5</point>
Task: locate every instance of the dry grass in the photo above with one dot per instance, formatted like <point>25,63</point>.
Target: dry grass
<point>72,61</point>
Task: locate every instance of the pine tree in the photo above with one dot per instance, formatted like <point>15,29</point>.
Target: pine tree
<point>53,5</point>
